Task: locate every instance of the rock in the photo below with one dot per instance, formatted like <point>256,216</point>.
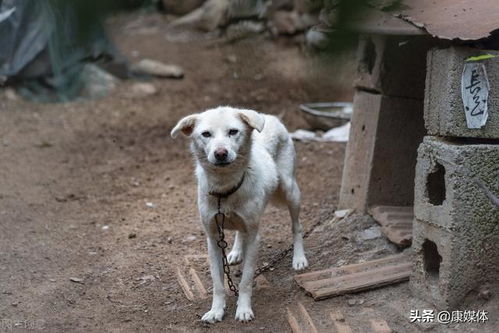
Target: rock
<point>289,23</point>
<point>351,302</point>
<point>370,233</point>
<point>11,94</point>
<point>157,68</point>
<point>190,238</point>
<point>132,235</point>
<point>485,294</point>
<point>284,22</point>
<point>316,38</point>
<point>243,29</point>
<point>181,7</point>
<point>342,213</point>
<point>142,89</point>
<point>76,280</point>
<point>207,18</point>
<point>232,58</point>
<point>97,82</point>
<point>247,9</point>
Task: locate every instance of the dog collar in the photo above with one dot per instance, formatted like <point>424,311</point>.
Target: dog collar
<point>229,192</point>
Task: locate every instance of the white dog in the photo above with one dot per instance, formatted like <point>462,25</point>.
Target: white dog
<point>250,158</point>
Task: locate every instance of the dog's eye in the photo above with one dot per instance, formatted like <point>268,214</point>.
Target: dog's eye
<point>233,131</point>
<point>206,134</point>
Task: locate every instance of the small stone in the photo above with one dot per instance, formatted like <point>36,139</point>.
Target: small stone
<point>485,294</point>
<point>150,205</point>
<point>361,301</point>
<point>11,94</point>
<point>190,238</point>
<point>157,68</point>
<point>105,227</point>
<point>351,302</point>
<point>169,240</point>
<point>232,58</point>
<point>132,235</point>
<point>76,280</point>
<point>142,89</point>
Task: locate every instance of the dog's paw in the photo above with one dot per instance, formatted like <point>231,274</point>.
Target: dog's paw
<point>213,316</point>
<point>299,263</point>
<point>235,257</point>
<point>244,314</point>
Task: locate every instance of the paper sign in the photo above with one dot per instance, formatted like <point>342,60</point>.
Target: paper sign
<point>475,93</point>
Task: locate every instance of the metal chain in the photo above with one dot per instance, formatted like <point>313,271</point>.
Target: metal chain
<point>222,244</point>
<point>281,255</point>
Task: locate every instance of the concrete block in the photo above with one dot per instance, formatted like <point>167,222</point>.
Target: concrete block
<point>455,234</point>
<point>446,194</point>
<point>444,110</point>
<point>381,153</point>
<point>393,65</point>
<point>448,265</point>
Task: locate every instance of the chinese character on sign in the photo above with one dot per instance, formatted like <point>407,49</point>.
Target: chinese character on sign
<point>475,93</point>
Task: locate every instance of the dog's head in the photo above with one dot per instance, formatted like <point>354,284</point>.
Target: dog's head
<point>221,137</point>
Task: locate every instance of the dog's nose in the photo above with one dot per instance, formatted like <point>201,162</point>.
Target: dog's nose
<point>221,154</point>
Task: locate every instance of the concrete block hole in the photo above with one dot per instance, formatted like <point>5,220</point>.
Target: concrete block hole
<point>432,259</point>
<point>435,186</point>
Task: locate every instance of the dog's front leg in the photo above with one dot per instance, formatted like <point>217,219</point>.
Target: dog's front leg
<point>250,244</point>
<point>216,312</point>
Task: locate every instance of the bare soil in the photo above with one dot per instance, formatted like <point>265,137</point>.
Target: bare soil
<point>97,202</point>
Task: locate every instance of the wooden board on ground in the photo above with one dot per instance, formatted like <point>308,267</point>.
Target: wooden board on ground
<point>357,277</point>
<point>396,223</point>
<point>299,319</point>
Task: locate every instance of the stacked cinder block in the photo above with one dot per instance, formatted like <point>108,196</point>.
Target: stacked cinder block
<point>456,227</point>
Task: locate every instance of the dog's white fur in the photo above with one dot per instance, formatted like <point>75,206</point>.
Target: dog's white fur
<point>263,152</point>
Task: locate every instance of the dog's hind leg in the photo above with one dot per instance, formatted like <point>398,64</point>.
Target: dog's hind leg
<point>216,312</point>
<point>236,254</point>
<point>290,192</point>
<point>293,195</point>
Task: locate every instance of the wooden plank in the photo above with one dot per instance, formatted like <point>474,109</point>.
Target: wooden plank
<point>308,320</point>
<point>339,322</point>
<point>184,285</point>
<point>197,282</point>
<point>343,270</point>
<point>367,282</point>
<point>293,322</point>
<point>347,279</point>
<point>299,320</point>
<point>380,326</point>
<point>396,223</point>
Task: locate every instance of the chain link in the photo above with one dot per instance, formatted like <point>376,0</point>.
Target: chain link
<point>222,244</point>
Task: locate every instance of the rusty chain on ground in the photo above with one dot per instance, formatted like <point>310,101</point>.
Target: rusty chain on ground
<point>222,244</point>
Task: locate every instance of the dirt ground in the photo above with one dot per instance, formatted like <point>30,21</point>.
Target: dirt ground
<point>98,191</point>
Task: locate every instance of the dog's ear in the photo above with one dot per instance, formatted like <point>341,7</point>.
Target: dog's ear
<point>253,119</point>
<point>186,125</point>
